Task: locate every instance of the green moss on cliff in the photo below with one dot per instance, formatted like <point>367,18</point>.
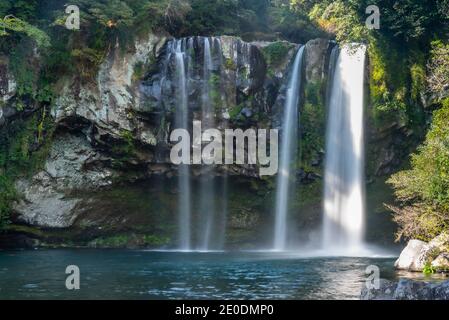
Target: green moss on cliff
<point>313,125</point>
<point>124,150</point>
<point>7,195</point>
<point>24,147</point>
<point>275,53</point>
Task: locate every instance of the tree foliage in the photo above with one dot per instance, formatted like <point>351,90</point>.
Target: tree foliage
<point>10,24</point>
<point>424,189</point>
<point>410,19</point>
<point>438,68</point>
<point>340,18</point>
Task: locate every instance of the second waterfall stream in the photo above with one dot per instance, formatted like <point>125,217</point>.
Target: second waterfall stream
<point>288,152</point>
<point>344,180</point>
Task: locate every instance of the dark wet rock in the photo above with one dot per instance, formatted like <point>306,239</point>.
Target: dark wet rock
<point>246,112</point>
<point>441,291</point>
<point>243,220</point>
<point>315,162</point>
<point>315,65</point>
<point>384,292</point>
<point>412,290</point>
<point>407,289</point>
<point>8,90</point>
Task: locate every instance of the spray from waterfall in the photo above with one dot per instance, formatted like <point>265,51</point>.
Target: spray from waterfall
<point>344,209</point>
<point>288,152</point>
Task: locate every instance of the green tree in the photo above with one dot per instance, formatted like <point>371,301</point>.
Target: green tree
<point>424,189</point>
<point>410,20</point>
<point>10,24</point>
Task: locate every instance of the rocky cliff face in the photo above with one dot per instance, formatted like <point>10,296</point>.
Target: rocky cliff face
<point>8,88</point>
<point>115,128</point>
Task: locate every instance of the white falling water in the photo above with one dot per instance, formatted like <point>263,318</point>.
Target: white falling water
<point>344,209</point>
<point>287,153</point>
<point>184,202</point>
<point>208,192</point>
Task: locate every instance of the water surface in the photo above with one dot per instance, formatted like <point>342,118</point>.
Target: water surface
<point>133,274</point>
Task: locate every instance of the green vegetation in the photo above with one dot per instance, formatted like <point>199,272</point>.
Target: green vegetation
<point>291,19</point>
<point>310,194</point>
<point>129,240</point>
<point>153,240</point>
<point>138,71</point>
<point>438,67</point>
<point>340,17</point>
<point>124,150</point>
<point>118,241</point>
<point>215,91</point>
<point>428,269</point>
<point>12,24</point>
<point>24,146</point>
<point>234,112</point>
<point>313,126</point>
<point>230,64</point>
<point>424,189</point>
<point>7,195</point>
<point>276,52</point>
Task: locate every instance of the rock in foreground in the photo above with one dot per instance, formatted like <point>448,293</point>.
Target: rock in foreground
<point>418,254</point>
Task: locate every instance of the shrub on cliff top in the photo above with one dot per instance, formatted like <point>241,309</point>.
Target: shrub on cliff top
<point>276,52</point>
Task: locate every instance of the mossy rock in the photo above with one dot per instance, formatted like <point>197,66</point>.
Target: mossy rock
<point>275,53</point>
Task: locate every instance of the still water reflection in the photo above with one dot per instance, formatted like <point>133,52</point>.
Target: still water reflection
<point>126,274</point>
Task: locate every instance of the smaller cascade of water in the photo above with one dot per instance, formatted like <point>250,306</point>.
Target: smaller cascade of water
<point>207,181</point>
<point>344,208</point>
<point>184,201</point>
<point>288,152</point>
<point>223,192</point>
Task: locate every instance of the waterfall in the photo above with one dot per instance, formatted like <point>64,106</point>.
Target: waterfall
<point>223,213</point>
<point>344,166</point>
<point>288,152</point>
<point>183,73</point>
<point>184,201</point>
<point>207,201</point>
